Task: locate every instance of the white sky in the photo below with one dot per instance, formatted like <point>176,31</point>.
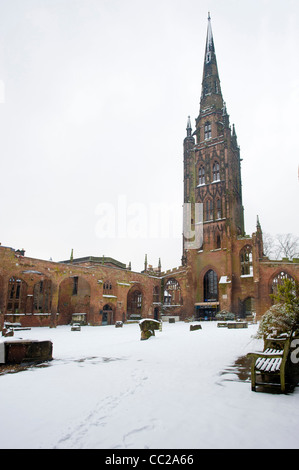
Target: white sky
<point>94,100</point>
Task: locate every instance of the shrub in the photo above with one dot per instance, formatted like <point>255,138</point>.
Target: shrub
<point>225,315</point>
<point>278,319</point>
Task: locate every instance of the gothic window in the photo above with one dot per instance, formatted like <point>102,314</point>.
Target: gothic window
<point>218,208</point>
<point>208,130</point>
<point>134,303</point>
<point>246,260</point>
<point>15,295</point>
<point>279,280</point>
<point>172,293</point>
<point>216,172</point>
<point>209,209</point>
<point>201,175</point>
<point>210,284</point>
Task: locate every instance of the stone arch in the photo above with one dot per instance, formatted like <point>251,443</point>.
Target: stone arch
<point>73,297</point>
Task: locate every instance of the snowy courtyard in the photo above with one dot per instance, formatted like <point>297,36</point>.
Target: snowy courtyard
<point>107,389</point>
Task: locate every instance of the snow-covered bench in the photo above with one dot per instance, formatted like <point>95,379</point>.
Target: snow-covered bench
<point>270,366</point>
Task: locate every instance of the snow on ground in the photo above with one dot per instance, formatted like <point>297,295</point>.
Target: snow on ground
<point>107,389</point>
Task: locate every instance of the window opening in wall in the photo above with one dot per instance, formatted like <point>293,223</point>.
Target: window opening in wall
<point>172,293</point>
<point>201,175</point>
<point>14,295</point>
<point>218,205</point>
<point>107,288</point>
<point>42,296</point>
<point>75,285</point>
<point>210,286</point>
<point>279,280</point>
<point>216,172</point>
<point>246,260</point>
<point>208,131</point>
<point>209,210</point>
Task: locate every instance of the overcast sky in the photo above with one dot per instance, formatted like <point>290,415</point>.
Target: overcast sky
<point>94,101</point>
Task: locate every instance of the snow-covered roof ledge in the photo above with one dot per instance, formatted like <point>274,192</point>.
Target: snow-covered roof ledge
<point>224,280</point>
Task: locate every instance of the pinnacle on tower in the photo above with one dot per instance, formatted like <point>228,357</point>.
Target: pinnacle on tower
<point>189,128</point>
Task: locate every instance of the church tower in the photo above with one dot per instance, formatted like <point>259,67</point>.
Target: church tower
<point>212,170</point>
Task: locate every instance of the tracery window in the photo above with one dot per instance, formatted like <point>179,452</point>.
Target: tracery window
<point>15,296</point>
<point>208,130</point>
<point>216,172</point>
<point>201,175</point>
<point>210,284</point>
<point>279,280</point>
<point>172,293</point>
<point>209,209</point>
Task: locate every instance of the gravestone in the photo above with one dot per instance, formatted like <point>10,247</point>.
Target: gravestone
<point>148,327</point>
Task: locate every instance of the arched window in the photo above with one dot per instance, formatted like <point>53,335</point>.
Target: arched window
<point>201,175</point>
<point>209,210</point>
<point>134,303</point>
<point>246,260</point>
<point>208,130</point>
<point>216,171</point>
<point>279,281</point>
<point>210,284</point>
<point>172,293</point>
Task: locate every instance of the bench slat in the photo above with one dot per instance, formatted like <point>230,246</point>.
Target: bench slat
<point>268,364</point>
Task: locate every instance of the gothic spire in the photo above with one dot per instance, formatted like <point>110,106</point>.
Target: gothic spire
<point>211,92</point>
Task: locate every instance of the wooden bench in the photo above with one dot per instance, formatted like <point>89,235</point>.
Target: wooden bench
<point>271,365</point>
